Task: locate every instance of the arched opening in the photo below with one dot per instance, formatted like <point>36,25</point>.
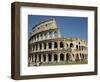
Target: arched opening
<point>44,45</point>
<point>40,46</point>
<point>55,57</point>
<point>35,57</point>
<point>39,57</point>
<point>71,45</point>
<point>45,35</point>
<point>36,46</point>
<point>33,47</point>
<point>55,45</point>
<point>49,57</point>
<point>37,37</point>
<point>76,46</point>
<point>80,56</point>
<point>41,36</point>
<point>67,57</point>
<point>50,45</point>
<point>83,56</point>
<point>44,58</point>
<point>61,45</point>
<point>73,55</point>
<point>50,33</point>
<point>61,57</point>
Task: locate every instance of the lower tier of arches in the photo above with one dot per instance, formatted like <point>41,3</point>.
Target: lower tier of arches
<point>37,59</point>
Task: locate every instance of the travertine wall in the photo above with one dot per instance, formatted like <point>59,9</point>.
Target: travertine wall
<point>46,45</point>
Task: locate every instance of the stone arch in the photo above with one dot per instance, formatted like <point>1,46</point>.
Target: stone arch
<point>49,57</point>
<point>40,46</point>
<point>50,34</point>
<point>45,35</point>
<point>76,46</point>
<point>55,57</point>
<point>39,57</point>
<point>71,45</point>
<point>50,45</point>
<point>61,45</point>
<point>44,45</point>
<point>62,57</point>
<point>35,57</point>
<point>55,45</point>
<point>33,47</point>
<point>67,57</point>
<point>44,58</point>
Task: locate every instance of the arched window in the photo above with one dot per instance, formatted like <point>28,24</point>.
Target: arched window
<point>33,47</point>
<point>40,57</point>
<point>44,58</point>
<point>61,57</point>
<point>71,45</point>
<point>44,45</point>
<point>55,57</point>
<point>50,33</point>
<point>67,57</point>
<point>61,45</point>
<point>76,46</point>
<point>49,57</point>
<point>55,44</point>
<point>36,46</point>
<point>40,46</point>
<point>50,45</point>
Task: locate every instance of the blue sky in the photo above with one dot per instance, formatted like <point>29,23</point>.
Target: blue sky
<point>69,26</point>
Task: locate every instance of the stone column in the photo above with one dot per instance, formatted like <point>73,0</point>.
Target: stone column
<point>42,46</point>
<point>58,43</point>
<point>36,37</point>
<point>41,57</point>
<point>65,45</point>
<point>48,35</point>
<point>64,56</point>
<point>34,47</point>
<point>43,36</point>
<point>52,45</point>
<point>46,58</point>
<point>72,57</point>
<point>58,55</point>
<point>79,57</point>
<point>33,57</point>
<point>53,35</point>
<point>33,39</point>
<point>52,57</point>
<point>59,34</point>
<point>38,46</point>
<point>37,57</point>
<point>47,46</point>
<point>39,36</point>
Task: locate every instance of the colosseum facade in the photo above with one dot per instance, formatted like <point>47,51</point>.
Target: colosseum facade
<point>46,46</point>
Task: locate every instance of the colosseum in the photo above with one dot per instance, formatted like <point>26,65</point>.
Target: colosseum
<point>46,46</point>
